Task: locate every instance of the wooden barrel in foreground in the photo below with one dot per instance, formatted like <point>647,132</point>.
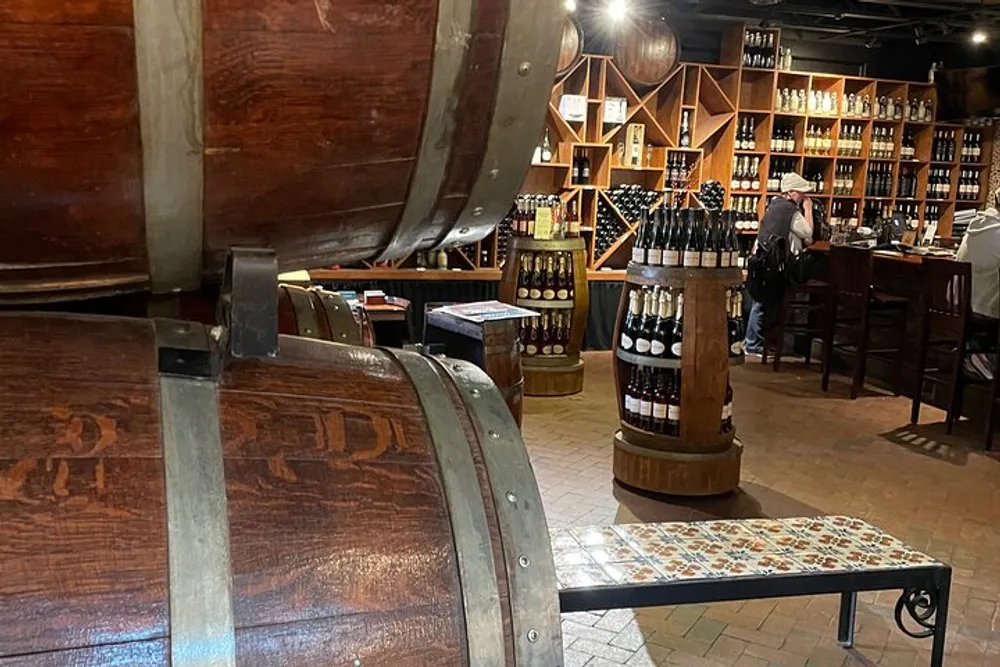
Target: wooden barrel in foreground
<point>703,457</point>
<point>334,505</point>
<point>144,139</point>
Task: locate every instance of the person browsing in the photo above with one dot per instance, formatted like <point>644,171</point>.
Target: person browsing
<point>789,215</point>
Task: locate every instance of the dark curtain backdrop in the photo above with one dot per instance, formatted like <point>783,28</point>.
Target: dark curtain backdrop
<point>600,325</point>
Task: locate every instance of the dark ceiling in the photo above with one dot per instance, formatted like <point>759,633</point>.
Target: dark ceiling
<point>854,21</point>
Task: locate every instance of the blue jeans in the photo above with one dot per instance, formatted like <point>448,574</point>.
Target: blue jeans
<point>754,341</point>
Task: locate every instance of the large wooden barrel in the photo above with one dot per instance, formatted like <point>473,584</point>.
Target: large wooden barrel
<point>647,52</point>
<point>571,47</point>
<point>334,505</point>
<point>143,139</point>
<point>317,313</point>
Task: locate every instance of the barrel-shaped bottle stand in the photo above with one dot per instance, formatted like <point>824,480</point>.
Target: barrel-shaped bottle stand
<point>559,375</point>
<point>702,461</point>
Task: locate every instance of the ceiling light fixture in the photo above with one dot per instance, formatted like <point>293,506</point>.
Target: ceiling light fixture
<point>617,10</point>
<point>979,37</point>
<point>571,6</point>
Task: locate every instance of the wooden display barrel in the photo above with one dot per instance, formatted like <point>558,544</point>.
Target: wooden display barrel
<point>330,505</point>
<point>702,459</point>
<point>144,139</point>
<point>317,313</point>
<point>647,52</point>
<point>560,372</point>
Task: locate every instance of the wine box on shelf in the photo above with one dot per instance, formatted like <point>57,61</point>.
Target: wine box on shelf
<point>549,277</point>
<point>692,450</point>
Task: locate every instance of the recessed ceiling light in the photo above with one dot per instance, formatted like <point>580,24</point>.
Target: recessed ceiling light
<point>979,37</point>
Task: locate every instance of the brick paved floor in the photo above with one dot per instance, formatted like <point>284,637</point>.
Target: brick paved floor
<point>806,453</point>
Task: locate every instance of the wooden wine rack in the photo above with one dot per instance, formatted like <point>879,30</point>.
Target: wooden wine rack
<point>562,375</point>
<point>701,461</point>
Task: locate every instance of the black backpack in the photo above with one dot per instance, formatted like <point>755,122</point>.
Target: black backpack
<point>766,270</point>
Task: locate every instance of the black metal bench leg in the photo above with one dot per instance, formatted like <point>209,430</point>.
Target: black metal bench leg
<point>941,620</point>
<point>848,609</point>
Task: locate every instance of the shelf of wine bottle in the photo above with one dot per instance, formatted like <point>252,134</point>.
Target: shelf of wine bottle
<point>687,238</point>
<point>544,278</point>
<point>652,333</point>
<point>546,336</point>
<point>653,403</point>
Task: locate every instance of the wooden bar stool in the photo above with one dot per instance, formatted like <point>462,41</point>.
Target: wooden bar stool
<point>946,293</point>
<point>864,310</point>
<point>810,301</point>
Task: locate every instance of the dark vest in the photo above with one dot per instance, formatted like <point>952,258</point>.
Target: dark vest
<point>777,220</point>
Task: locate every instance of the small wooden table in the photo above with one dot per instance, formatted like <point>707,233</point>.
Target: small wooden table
<point>651,565</point>
<point>493,346</point>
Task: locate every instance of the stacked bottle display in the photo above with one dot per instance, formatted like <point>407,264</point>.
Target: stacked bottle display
<point>759,49</point>
<point>843,180</point>
<point>547,335</point>
<point>883,144</point>
<point>688,238</point>
<point>850,143</point>
<point>545,276</point>
<point>943,149</point>
<point>857,106</point>
<point>819,141</point>
<point>939,183</point>
<point>779,167</point>
<point>907,187</point>
<point>653,402</point>
<point>844,214</point>
<point>889,108</point>
<point>745,212</point>
<point>783,139</point>
<point>972,147</point>
<point>968,185</point>
<point>746,173</point>
<point>565,218</point>
<point>879,182</point>
<point>678,172</point>
<point>908,149</point>
<point>746,136</point>
<point>654,328</point>
<point>581,170</point>
<point>790,100</point>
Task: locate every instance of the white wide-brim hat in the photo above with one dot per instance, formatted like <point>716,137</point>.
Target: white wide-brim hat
<point>792,182</point>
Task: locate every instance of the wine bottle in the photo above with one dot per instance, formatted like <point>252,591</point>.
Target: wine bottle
<point>524,276</point>
<point>646,403</point>
<point>644,338</point>
<point>549,279</point>
<point>546,345</point>
<point>535,286</point>
<point>735,300</point>
<point>562,278</point>
<point>677,336</point>
<point>558,333</point>
<point>660,403</point>
<point>710,251</point>
<point>632,397</point>
<point>691,250</point>
<point>630,329</point>
<point>654,253</point>
<point>534,338</point>
<point>686,128</point>
<point>546,147</point>
<point>673,256</point>
<point>641,245</point>
<point>674,406</point>
<point>663,326</point>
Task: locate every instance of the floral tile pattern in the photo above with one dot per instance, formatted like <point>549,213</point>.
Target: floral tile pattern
<point>648,553</point>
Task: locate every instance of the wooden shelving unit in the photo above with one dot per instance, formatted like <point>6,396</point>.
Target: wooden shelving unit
<point>717,98</point>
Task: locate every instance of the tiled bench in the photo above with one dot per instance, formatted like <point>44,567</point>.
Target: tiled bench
<point>651,565</point>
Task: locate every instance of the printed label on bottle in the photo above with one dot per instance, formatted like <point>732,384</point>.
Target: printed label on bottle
<point>709,259</point>
<point>734,258</point>
<point>654,257</point>
<point>727,411</point>
<point>549,294</point>
<point>736,348</point>
<point>639,255</point>
<point>558,349</point>
<point>642,346</point>
<point>692,259</point>
<point>674,413</point>
<point>522,348</point>
<point>657,348</point>
<point>672,258</point>
<point>547,350</point>
<point>675,349</point>
<point>626,343</point>
<point>631,404</point>
<point>645,408</point>
<point>536,293</point>
<point>659,411</point>
<point>532,350</point>
<point>725,260</point>
<point>562,294</point>
<point>522,293</point>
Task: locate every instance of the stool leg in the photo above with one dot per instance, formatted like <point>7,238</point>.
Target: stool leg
<point>919,386</point>
<point>861,362</point>
<point>897,382</point>
<point>779,334</point>
<point>955,405</point>
<point>848,609</point>
<point>830,326</point>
